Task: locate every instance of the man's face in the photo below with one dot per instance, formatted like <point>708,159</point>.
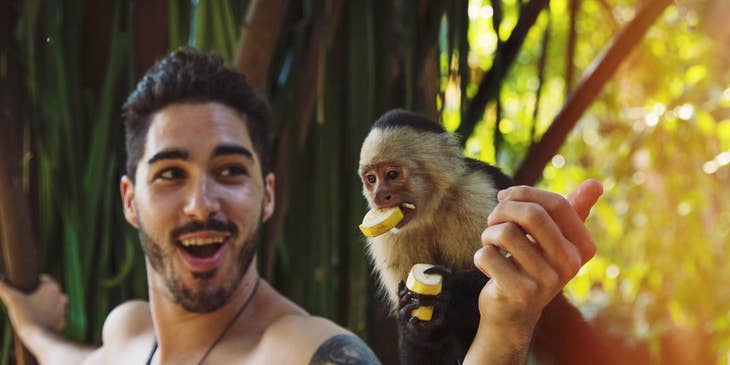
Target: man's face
<point>198,201</point>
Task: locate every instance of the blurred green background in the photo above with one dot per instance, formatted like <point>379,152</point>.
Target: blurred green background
<point>641,88</point>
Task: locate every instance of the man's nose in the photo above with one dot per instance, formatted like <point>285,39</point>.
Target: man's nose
<point>202,202</point>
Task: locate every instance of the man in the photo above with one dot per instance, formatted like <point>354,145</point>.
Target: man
<point>198,189</point>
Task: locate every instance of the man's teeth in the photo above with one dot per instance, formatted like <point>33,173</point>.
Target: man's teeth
<point>202,241</point>
<point>408,205</point>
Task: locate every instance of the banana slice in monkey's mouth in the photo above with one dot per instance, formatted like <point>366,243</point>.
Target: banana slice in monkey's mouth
<point>379,221</point>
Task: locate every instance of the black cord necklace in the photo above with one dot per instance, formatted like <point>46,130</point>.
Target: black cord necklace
<point>223,333</point>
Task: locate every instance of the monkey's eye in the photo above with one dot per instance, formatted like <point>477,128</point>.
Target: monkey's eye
<point>392,174</point>
<point>370,178</point>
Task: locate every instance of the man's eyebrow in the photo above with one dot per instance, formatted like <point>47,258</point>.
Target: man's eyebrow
<point>232,149</point>
<point>172,154</point>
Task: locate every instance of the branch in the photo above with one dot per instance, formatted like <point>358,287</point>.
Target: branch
<point>586,92</point>
<point>609,14</point>
<point>540,78</point>
<point>504,58</point>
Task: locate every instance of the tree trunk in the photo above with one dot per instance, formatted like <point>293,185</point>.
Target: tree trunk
<point>259,35</point>
<point>151,36</point>
<point>586,92</point>
<point>17,244</point>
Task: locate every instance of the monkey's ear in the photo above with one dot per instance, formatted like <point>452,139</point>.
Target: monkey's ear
<point>126,188</point>
<point>269,196</point>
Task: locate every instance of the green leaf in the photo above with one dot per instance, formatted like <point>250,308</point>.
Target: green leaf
<point>126,267</point>
<point>7,342</point>
<point>76,324</point>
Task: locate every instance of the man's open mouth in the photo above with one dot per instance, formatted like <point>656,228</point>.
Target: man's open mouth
<point>202,247</point>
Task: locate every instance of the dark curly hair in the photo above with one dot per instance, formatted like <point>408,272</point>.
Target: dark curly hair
<point>189,76</point>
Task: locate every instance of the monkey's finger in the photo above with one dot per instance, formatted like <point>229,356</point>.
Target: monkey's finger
<point>404,300</point>
<point>562,254</point>
<point>525,254</point>
<point>584,197</point>
<point>438,269</point>
<point>427,300</point>
<point>406,310</point>
<point>559,209</point>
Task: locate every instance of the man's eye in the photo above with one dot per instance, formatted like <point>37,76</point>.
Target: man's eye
<point>233,171</point>
<point>392,174</point>
<point>371,179</point>
<point>172,173</point>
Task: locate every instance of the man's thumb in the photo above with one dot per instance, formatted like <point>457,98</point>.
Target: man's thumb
<point>585,196</point>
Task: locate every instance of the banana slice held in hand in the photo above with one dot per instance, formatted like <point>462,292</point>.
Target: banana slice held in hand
<point>379,221</point>
<point>422,283</point>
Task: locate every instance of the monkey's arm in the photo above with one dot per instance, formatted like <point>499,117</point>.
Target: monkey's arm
<point>423,342</point>
<point>447,336</point>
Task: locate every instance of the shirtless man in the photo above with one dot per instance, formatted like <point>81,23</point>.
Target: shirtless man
<point>198,189</point>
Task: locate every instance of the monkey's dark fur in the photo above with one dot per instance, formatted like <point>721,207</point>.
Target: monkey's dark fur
<point>408,158</point>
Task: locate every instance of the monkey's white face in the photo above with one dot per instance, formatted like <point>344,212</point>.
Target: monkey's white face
<point>389,185</point>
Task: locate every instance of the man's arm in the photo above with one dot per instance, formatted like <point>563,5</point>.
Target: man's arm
<point>344,349</point>
<point>38,318</point>
<point>547,243</point>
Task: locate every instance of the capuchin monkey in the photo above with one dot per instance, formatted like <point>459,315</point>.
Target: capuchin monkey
<point>408,160</point>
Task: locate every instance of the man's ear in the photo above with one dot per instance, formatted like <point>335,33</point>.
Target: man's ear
<point>269,196</point>
<point>126,187</point>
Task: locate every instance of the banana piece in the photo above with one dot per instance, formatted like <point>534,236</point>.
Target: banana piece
<point>420,282</point>
<point>379,221</point>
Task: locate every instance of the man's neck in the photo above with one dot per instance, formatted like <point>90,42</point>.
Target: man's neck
<point>188,335</point>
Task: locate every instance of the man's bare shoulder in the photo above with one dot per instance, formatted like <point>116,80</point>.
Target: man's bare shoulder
<point>127,335</point>
<point>126,321</point>
<point>306,339</point>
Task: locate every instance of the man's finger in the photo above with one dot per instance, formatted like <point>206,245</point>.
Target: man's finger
<point>568,213</point>
<point>491,263</point>
<point>585,196</point>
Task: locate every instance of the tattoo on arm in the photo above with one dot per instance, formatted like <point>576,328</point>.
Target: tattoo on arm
<point>344,350</point>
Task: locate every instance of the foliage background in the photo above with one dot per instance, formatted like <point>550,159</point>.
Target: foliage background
<point>658,136</point>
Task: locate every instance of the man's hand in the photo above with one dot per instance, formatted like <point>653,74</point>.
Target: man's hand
<point>45,308</point>
<point>535,243</point>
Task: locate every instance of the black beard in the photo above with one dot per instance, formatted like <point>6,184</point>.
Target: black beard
<point>206,299</point>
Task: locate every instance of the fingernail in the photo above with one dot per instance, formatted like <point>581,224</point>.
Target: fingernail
<point>502,194</point>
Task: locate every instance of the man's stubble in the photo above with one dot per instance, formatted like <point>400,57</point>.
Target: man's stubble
<point>208,298</point>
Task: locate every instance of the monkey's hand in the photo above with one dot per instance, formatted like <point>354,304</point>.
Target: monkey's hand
<point>409,300</point>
